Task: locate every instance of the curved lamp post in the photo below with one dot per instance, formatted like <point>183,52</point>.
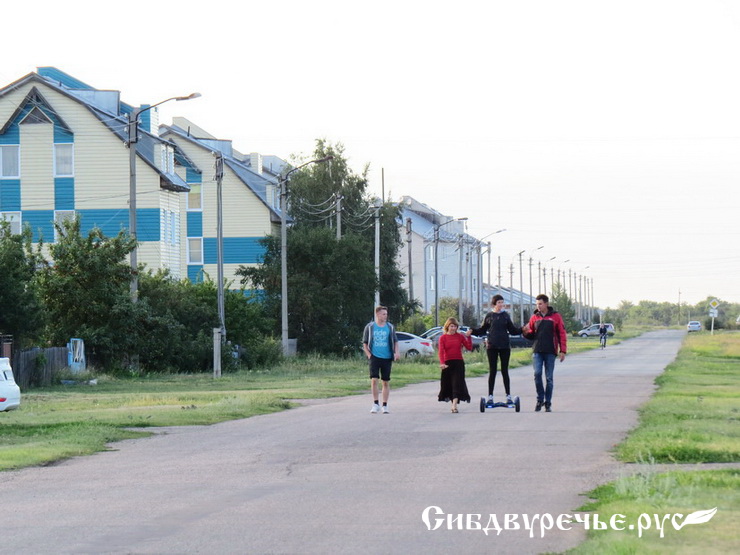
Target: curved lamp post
<point>133,138</point>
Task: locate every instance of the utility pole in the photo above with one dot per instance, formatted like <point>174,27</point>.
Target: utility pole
<point>521,291</point>
<point>539,276</point>
<point>498,280</point>
<point>220,334</point>
<point>460,281</point>
<point>411,273</point>
<point>339,217</point>
<point>531,308</point>
<point>377,252</point>
<point>511,288</point>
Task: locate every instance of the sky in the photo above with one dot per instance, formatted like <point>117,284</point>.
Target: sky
<point>607,133</point>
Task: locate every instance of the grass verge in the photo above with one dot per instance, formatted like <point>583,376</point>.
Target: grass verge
<point>692,418</point>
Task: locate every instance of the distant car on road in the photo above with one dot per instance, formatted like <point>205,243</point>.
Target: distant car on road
<point>10,393</point>
<point>593,330</point>
<point>694,325</point>
<point>410,345</point>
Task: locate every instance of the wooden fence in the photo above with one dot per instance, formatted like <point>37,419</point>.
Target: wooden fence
<point>36,367</point>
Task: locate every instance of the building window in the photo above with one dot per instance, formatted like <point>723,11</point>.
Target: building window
<point>61,216</point>
<point>64,160</point>
<point>195,250</point>
<point>431,283</point>
<point>173,228</point>
<point>195,197</point>
<point>10,161</point>
<point>430,252</point>
<point>14,218</point>
<point>443,282</point>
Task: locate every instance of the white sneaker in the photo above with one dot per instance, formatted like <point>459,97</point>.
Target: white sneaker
<point>375,409</point>
<point>508,399</point>
<point>386,411</point>
<point>490,398</point>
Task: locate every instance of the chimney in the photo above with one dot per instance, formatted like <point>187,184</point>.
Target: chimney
<point>255,160</point>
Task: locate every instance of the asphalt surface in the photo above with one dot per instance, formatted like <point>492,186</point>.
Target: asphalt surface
<point>330,477</point>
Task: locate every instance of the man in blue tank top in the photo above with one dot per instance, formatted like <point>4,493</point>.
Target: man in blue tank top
<point>381,349</point>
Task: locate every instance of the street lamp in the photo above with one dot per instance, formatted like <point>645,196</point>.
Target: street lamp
<point>436,265</point>
<point>133,138</point>
<point>283,184</point>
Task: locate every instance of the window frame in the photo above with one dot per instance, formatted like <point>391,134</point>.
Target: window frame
<point>59,218</point>
<point>72,164</point>
<point>16,219</point>
<point>190,260</point>
<point>18,161</point>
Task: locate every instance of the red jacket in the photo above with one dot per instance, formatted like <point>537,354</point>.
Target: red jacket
<point>548,332</point>
<point>450,346</point>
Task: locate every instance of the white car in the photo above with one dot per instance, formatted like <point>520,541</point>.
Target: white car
<point>410,345</point>
<point>694,325</point>
<point>10,393</point>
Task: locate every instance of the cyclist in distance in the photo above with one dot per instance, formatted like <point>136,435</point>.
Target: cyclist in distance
<point>602,334</point>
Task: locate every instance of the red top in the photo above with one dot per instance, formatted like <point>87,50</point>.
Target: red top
<point>450,346</point>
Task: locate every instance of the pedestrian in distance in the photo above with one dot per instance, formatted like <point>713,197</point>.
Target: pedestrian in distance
<point>381,348</point>
<point>547,329</point>
<point>452,384</point>
<point>497,326</point>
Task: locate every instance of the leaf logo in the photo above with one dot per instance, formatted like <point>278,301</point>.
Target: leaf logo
<point>698,517</point>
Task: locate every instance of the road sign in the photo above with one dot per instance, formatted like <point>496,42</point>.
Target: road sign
<point>713,312</point>
<point>714,303</point>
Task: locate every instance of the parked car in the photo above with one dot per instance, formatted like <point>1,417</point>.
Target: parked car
<point>694,325</point>
<point>410,345</point>
<point>593,330</point>
<point>518,341</point>
<point>10,393</point>
<point>431,332</point>
<point>434,334</point>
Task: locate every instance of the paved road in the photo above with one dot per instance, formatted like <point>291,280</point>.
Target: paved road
<point>331,478</point>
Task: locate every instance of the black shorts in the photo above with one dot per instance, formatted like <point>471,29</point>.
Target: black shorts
<point>380,368</point>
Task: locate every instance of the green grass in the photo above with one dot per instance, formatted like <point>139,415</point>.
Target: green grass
<point>695,414</point>
<point>692,418</point>
<point>667,493</point>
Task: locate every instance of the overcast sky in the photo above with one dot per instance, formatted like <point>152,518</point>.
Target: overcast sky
<point>607,132</point>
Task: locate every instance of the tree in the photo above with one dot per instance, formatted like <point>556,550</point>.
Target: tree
<point>20,310</point>
<point>331,280</point>
<point>85,292</point>
<point>563,304</point>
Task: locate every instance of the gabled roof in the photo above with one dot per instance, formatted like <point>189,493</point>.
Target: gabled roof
<point>117,123</point>
<point>35,101</point>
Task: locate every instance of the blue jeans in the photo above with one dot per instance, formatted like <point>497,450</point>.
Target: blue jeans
<point>548,361</point>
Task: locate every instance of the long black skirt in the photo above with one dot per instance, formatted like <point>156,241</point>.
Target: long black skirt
<point>452,382</point>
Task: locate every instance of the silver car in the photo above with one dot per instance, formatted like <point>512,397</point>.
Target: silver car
<point>410,345</point>
<point>593,330</point>
<point>694,325</point>
<point>10,393</point>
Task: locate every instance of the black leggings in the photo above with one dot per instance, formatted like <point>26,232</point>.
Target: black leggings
<point>493,355</point>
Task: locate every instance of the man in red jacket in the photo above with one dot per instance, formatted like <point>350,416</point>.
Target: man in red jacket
<point>547,329</point>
